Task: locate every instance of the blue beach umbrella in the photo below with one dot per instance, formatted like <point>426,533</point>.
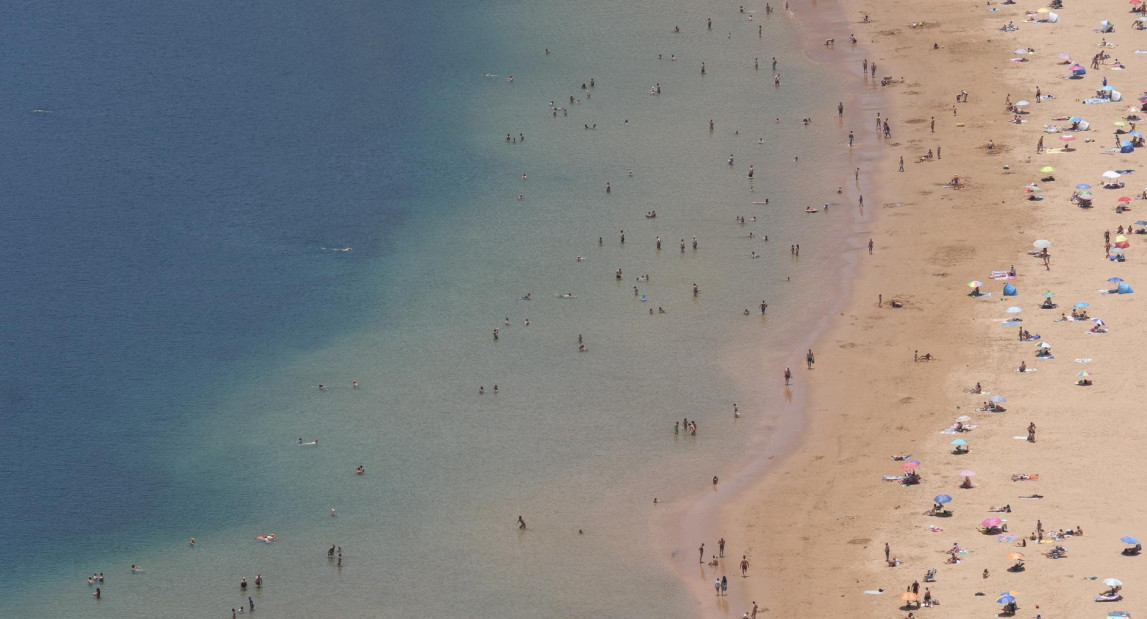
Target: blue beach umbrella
<point>1127,539</point>
<point>1007,599</point>
<point>1083,186</point>
<point>1115,280</point>
<point>1141,223</point>
<point>958,441</point>
<point>1107,88</point>
<point>942,498</point>
<point>1135,134</point>
<point>998,399</point>
<point>1076,119</point>
<point>1081,304</point>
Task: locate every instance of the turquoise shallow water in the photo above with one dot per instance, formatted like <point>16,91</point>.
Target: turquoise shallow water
<point>176,291</point>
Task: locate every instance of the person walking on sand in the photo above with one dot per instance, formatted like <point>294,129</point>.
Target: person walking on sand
<point>744,566</point>
<point>1031,432</point>
<point>1039,146</point>
<point>788,376</point>
<point>717,586</point>
<point>901,163</point>
<point>721,542</point>
<point>701,553</point>
<point>887,551</point>
<point>724,585</point>
<point>869,247</point>
<point>810,359</point>
<point>521,523</point>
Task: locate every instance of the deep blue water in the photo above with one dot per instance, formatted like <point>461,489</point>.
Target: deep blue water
<point>164,219</point>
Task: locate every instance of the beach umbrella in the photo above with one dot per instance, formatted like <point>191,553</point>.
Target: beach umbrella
<point>966,473</point>
<point>1033,189</point>
<point>942,498</point>
<point>1083,186</point>
<point>1112,174</point>
<point>1049,294</point>
<point>1005,599</point>
<point>1022,103</point>
<point>1048,169</point>
<point>1044,345</point>
<point>975,284</point>
<point>1011,592</point>
<point>963,418</point>
<point>1118,123</point>
<point>1041,243</point>
<point>1099,321</point>
<point>1067,138</point>
<point>1143,99</point>
<point>992,522</point>
<point>1085,195</point>
<point>1136,2</point>
<point>959,441</point>
<point>911,464</point>
<point>1015,556</point>
<point>1127,539</point>
<point>998,399</point>
<point>1115,280</point>
<point>1113,582</point>
<point>1124,199</point>
<point>1081,304</point>
<point>1014,310</point>
<point>1121,241</point>
<point>908,596</point>
<point>1083,374</point>
<point>1078,69</point>
<point>1064,57</point>
<point>1141,223</point>
<point>1135,134</point>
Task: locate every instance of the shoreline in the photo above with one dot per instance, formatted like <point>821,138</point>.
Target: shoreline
<point>705,515</point>
<point>821,516</point>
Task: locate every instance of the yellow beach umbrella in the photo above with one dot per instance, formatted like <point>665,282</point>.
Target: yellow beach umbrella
<point>1043,10</point>
<point>1015,556</point>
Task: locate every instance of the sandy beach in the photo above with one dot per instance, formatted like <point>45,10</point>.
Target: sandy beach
<point>815,529</point>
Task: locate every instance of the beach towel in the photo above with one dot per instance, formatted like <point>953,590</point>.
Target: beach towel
<point>892,477</point>
<point>1096,100</point>
<point>1083,360</point>
<point>1047,357</point>
<point>1000,276</point>
<point>1010,323</point>
<point>874,592</point>
<point>1027,370</point>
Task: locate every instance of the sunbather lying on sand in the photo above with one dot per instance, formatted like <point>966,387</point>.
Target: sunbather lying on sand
<point>1025,476</point>
<point>1007,509</point>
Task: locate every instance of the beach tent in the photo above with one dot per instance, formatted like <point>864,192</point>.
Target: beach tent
<point>1052,18</point>
<point>1010,290</point>
<point>1126,147</point>
<point>1083,125</point>
<point>1078,70</point>
<point>1124,288</point>
<point>1116,95</point>
<point>1106,26</point>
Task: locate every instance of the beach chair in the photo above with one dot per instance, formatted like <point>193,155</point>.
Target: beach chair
<point>1118,614</point>
<point>930,575</point>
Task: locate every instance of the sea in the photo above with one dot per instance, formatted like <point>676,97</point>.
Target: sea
<point>212,208</point>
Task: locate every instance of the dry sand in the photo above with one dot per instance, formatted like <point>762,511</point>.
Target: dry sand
<point>815,529</point>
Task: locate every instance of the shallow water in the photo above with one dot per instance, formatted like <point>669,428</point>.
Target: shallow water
<point>176,294</point>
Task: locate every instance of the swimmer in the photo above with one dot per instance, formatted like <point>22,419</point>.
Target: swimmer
<point>333,513</point>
